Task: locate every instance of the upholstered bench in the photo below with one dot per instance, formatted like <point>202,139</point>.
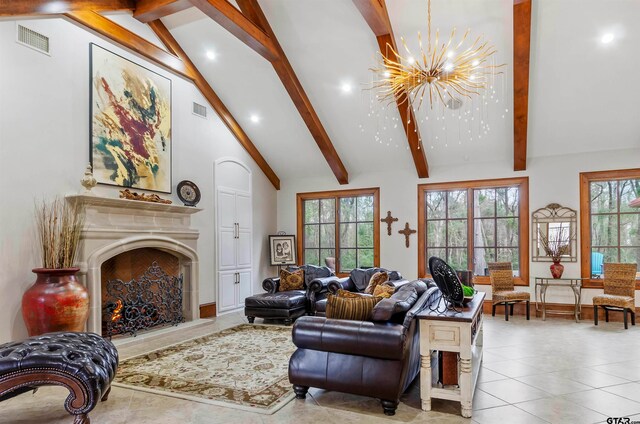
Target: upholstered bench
<point>287,305</point>
<point>84,363</point>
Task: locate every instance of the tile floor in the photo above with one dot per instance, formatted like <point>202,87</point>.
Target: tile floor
<point>555,371</point>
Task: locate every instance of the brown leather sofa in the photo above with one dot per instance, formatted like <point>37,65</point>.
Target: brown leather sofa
<point>357,281</point>
<point>378,358</point>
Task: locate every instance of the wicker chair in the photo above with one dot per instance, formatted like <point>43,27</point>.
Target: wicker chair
<point>501,274</point>
<point>619,292</point>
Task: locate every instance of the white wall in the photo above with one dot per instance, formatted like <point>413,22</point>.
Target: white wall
<point>551,179</point>
<point>44,148</point>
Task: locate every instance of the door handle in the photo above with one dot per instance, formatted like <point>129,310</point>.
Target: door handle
<point>236,228</point>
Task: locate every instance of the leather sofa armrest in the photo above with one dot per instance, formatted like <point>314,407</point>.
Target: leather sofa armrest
<point>271,285</point>
<point>398,283</point>
<point>362,338</point>
<point>427,298</point>
<point>320,285</point>
<point>341,284</point>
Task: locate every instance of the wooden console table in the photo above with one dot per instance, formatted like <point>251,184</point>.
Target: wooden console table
<point>543,283</point>
<point>451,331</point>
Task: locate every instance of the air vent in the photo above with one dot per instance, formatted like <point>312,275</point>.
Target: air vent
<point>33,39</point>
<point>199,110</point>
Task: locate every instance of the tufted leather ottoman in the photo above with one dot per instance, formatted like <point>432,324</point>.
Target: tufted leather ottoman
<point>287,305</point>
<point>84,363</point>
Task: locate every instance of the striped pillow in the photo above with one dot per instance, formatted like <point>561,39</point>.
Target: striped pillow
<point>352,308</point>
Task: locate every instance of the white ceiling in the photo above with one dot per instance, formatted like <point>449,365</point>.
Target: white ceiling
<point>582,94</point>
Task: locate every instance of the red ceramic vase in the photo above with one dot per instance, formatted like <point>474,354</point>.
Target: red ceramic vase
<point>556,269</point>
<point>57,301</point>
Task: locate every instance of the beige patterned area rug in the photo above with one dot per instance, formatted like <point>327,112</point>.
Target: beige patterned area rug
<point>244,367</point>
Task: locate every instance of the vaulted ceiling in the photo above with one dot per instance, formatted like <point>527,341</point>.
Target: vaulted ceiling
<point>582,91</point>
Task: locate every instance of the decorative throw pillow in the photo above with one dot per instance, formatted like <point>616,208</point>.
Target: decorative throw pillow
<point>353,308</point>
<point>291,280</point>
<point>384,291</point>
<point>376,279</point>
<point>347,293</point>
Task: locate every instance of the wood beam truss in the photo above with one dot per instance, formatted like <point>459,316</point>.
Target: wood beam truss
<point>150,10</point>
<point>200,81</point>
<point>15,8</point>
<point>292,84</point>
<point>376,15</point>
<point>521,55</point>
<point>175,61</point>
<point>234,21</point>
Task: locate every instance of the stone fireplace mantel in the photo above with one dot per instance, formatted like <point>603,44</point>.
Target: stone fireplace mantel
<point>113,226</point>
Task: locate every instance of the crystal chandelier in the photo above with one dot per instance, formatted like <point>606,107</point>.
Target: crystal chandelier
<point>446,71</point>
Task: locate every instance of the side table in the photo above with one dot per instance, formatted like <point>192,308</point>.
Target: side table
<point>452,331</point>
<point>543,283</point>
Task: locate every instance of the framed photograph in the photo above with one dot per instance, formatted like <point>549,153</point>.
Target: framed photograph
<point>130,123</point>
<point>283,250</point>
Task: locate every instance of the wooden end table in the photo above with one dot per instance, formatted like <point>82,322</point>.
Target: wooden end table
<point>452,331</point>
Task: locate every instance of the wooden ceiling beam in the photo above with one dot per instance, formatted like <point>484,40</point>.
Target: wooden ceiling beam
<point>289,79</point>
<point>150,10</point>
<point>201,83</point>
<point>375,14</point>
<point>234,21</point>
<point>521,55</point>
<point>122,36</point>
<point>9,8</point>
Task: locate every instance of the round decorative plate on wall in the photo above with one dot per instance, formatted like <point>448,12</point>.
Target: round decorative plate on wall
<point>188,193</point>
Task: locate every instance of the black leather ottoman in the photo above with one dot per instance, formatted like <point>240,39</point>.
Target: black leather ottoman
<point>287,305</point>
<point>84,363</point>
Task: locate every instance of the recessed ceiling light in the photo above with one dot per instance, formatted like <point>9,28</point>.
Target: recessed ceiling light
<point>254,118</point>
<point>475,63</point>
<point>607,38</point>
<point>411,60</point>
<point>451,54</point>
<point>211,55</point>
<point>346,87</point>
<point>448,67</point>
<point>387,74</point>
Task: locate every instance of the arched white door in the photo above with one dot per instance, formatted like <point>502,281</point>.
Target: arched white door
<point>234,228</point>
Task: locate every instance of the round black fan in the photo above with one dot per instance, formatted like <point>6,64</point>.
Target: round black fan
<point>447,281</point>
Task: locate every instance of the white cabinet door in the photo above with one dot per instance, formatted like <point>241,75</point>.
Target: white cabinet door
<point>244,288</point>
<point>226,230</point>
<point>226,250</point>
<point>227,290</point>
<point>226,209</point>
<point>243,249</point>
<point>243,210</point>
<point>234,234</point>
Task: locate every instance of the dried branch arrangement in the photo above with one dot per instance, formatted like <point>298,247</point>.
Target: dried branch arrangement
<point>59,224</point>
<point>558,245</point>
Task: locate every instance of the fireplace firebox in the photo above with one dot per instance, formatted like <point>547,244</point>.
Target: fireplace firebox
<point>151,300</point>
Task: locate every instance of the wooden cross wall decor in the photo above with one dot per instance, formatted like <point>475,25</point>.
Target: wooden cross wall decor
<point>389,220</point>
<point>407,232</point>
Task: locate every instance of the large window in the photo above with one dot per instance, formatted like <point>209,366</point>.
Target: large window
<point>610,227</point>
<point>339,224</point>
<point>470,224</point>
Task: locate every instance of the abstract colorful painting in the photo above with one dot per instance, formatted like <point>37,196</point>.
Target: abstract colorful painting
<point>130,123</point>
